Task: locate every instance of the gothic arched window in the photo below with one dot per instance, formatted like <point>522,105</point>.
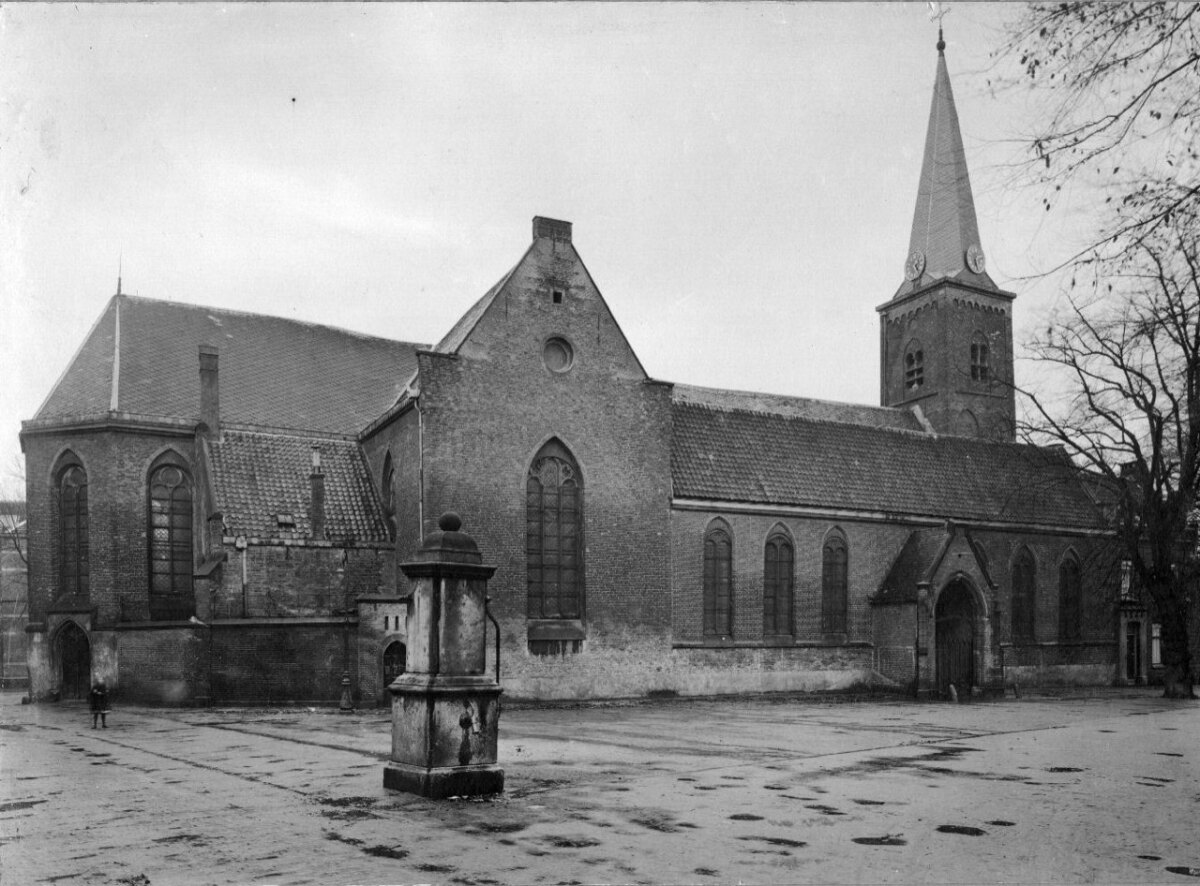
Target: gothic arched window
<point>554,534</point>
<point>1070,599</point>
<point>72,505</point>
<point>835,561</point>
<point>914,366</point>
<point>169,516</point>
<point>1024,597</point>
<point>778,583</point>
<point>981,367</point>
<point>718,580</point>
<point>388,495</point>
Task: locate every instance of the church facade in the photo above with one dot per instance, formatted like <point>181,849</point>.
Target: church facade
<point>219,501</point>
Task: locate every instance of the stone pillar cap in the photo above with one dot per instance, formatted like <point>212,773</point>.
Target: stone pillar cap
<point>447,544</point>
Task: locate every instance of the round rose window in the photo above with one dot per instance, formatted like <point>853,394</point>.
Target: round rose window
<point>558,355</point>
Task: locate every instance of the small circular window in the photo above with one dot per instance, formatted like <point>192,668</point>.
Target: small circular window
<point>558,355</point>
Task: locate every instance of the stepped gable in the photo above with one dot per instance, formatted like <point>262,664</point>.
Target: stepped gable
<point>274,372</point>
<point>736,455</point>
<point>258,476</point>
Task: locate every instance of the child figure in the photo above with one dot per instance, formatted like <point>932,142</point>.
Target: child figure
<point>99,704</point>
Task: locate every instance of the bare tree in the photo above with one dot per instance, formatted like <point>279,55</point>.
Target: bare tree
<point>1118,86</point>
<point>12,510</point>
<point>1126,405</point>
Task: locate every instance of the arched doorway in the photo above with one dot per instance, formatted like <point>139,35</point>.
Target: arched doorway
<point>75,662</point>
<point>394,661</point>
<point>955,639</point>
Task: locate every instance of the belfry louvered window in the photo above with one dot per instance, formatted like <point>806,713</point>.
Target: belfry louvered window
<point>73,569</point>
<point>1070,600</point>
<point>914,366</point>
<point>778,584</point>
<point>388,495</point>
<point>718,581</point>
<point>170,542</point>
<point>1024,598</point>
<point>835,561</point>
<point>981,369</point>
<point>554,534</point>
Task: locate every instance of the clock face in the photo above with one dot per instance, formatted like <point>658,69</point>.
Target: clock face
<point>915,265</point>
<point>975,258</point>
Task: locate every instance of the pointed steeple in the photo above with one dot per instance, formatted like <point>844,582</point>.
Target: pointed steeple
<point>945,234</point>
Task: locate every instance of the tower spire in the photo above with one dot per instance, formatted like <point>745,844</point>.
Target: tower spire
<point>120,262</point>
<point>944,243</point>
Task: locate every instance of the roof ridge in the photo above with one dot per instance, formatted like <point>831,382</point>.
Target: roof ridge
<point>232,312</point>
<point>808,418</point>
<point>794,397</point>
<point>295,433</point>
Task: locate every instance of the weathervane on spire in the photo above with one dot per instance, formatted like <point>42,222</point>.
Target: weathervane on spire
<point>937,12</point>
<point>120,261</point>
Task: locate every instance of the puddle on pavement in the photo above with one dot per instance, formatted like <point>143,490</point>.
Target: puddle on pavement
<point>1156,778</point>
<point>572,842</point>
<point>1064,769</point>
<point>685,778</point>
<point>502,827</point>
<point>777,841</point>
<point>824,810</point>
<point>436,868</point>
<point>869,802</point>
<point>965,830</point>
<point>193,839</point>
<point>1167,754</point>
<point>385,851</point>
<point>887,840</point>
<point>659,823</point>
<point>1106,730</point>
<point>1001,823</point>
<point>1186,872</point>
<point>705,872</point>
<point>745,816</point>
<point>1150,857</point>
<point>14,805</point>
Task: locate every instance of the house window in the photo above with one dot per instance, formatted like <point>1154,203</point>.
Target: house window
<point>170,542</point>
<point>73,569</point>
<point>1155,645</point>
<point>1070,600</point>
<point>388,490</point>
<point>914,366</point>
<point>778,584</point>
<point>834,583</point>
<point>557,296</point>
<point>718,580</point>
<point>1024,597</point>
<point>554,535</point>
<point>980,360</point>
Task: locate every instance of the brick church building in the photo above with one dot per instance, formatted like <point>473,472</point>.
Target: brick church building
<point>218,501</point>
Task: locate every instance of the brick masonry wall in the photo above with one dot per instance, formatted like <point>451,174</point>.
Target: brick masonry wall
<point>280,663</point>
<point>163,666</point>
<point>402,438</point>
<point>488,411</point>
<point>945,320</point>
<point>117,466</point>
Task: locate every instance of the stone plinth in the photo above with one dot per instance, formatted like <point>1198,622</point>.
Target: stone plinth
<point>445,708</point>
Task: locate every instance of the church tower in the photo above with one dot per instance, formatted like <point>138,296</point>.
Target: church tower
<point>946,335</point>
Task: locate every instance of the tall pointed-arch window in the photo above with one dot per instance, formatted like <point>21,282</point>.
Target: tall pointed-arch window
<point>981,365</point>
<point>914,366</point>
<point>1024,597</point>
<point>835,563</point>
<point>169,515</point>
<point>718,580</point>
<point>1070,599</point>
<point>554,534</point>
<point>388,495</point>
<point>72,505</point>
<point>779,563</point>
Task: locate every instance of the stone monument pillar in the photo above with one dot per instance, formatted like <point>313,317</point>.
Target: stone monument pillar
<point>445,707</point>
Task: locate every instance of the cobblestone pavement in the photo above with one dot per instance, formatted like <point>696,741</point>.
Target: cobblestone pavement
<point>1101,788</point>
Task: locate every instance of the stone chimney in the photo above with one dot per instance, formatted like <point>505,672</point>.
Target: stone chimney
<point>552,229</point>
<point>317,514</point>
<point>210,391</point>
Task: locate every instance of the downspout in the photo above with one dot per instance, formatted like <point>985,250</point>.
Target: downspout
<point>420,468</point>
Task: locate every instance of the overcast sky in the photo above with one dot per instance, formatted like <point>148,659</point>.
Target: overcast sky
<point>741,177</point>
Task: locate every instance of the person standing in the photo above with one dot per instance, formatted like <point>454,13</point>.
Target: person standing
<point>99,704</point>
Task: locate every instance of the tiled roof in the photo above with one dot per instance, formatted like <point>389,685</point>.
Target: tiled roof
<point>274,372</point>
<point>755,457</point>
<point>801,407</point>
<point>257,476</point>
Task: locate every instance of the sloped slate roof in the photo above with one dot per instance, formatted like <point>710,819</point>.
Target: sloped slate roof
<point>801,407</point>
<point>257,476</point>
<point>914,564</point>
<point>756,457</point>
<point>274,372</point>
<point>453,340</point>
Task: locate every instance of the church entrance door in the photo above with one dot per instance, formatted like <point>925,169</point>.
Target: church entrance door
<point>75,658</point>
<point>955,640</point>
